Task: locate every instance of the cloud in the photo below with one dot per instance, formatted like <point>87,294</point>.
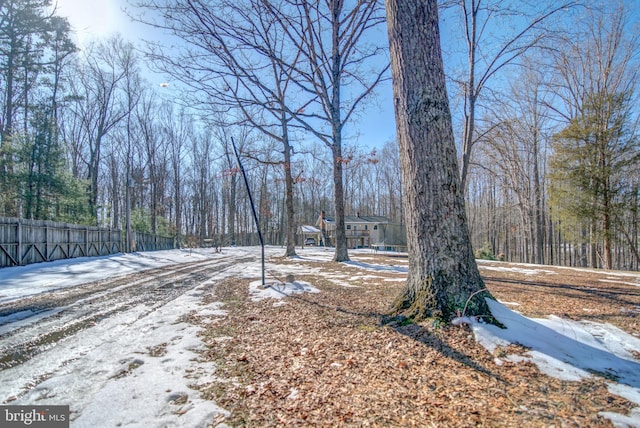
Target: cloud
<point>93,19</point>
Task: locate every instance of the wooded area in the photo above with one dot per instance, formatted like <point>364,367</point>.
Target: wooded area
<point>550,164</point>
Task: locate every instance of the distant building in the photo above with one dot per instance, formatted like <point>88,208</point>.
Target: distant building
<point>363,231</point>
<point>311,235</point>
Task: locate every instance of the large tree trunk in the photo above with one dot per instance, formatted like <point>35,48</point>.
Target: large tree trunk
<point>288,179</point>
<point>442,270</point>
<point>93,172</point>
<point>538,208</point>
<point>341,253</point>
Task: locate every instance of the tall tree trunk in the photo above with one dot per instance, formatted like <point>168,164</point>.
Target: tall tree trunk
<point>93,171</point>
<point>538,211</point>
<point>470,96</point>
<point>341,253</point>
<point>115,192</point>
<point>442,270</point>
<point>469,127</point>
<point>7,126</point>
<point>606,214</point>
<point>288,183</point>
<point>231,217</point>
<point>6,153</point>
<point>593,246</point>
<point>177,195</point>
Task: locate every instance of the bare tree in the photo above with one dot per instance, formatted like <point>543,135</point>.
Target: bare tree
<point>338,66</point>
<point>489,52</point>
<point>177,129</point>
<point>236,57</point>
<point>514,139</point>
<point>598,147</point>
<point>99,107</point>
<point>443,275</point>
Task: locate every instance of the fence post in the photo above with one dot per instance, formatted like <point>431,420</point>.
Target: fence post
<point>19,236</point>
<point>46,243</point>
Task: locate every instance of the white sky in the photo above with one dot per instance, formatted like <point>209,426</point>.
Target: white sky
<point>93,18</point>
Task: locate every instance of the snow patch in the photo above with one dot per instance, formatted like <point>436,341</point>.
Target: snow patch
<point>22,281</point>
<point>558,342</point>
<point>20,319</point>
<point>509,303</point>
<point>342,283</point>
<point>135,368</point>
<point>569,350</point>
<point>278,290</point>
<point>616,281</point>
<point>622,421</point>
<point>377,268</point>
<point>518,270</point>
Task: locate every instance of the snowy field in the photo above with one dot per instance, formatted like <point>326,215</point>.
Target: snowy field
<point>124,353</point>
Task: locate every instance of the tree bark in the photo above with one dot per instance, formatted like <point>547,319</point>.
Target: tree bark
<point>288,180</point>
<point>442,270</point>
<point>231,202</point>
<point>341,253</point>
<point>538,209</point>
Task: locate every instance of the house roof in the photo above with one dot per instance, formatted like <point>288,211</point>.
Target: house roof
<point>374,219</point>
<point>305,228</point>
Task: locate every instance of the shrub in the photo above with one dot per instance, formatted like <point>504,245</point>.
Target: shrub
<point>485,253</point>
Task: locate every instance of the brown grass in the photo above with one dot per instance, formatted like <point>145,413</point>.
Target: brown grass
<point>326,360</point>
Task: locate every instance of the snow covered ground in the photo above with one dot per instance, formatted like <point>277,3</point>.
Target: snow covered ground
<point>135,362</point>
<point>126,355</point>
<point>570,350</point>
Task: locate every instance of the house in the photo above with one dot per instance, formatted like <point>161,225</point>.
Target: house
<point>308,233</point>
<point>363,231</point>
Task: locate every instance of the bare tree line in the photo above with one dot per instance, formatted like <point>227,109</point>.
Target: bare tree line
<point>555,179</point>
<point>86,139</point>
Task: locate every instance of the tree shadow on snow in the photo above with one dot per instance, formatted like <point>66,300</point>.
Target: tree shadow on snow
<point>572,352</point>
<point>618,295</point>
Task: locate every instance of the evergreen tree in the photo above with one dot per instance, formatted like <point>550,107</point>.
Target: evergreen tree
<point>593,157</point>
<point>34,44</point>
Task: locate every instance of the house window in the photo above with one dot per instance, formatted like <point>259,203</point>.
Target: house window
<point>375,227</point>
<point>349,227</point>
<point>366,227</point>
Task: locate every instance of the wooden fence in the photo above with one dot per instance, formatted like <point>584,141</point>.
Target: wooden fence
<point>23,242</point>
<point>148,242</point>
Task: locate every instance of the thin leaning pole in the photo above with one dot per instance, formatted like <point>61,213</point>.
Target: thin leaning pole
<point>253,207</point>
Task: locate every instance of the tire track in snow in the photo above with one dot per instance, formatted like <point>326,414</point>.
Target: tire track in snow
<point>47,318</point>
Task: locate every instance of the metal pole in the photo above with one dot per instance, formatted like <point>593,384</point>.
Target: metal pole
<point>253,207</point>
